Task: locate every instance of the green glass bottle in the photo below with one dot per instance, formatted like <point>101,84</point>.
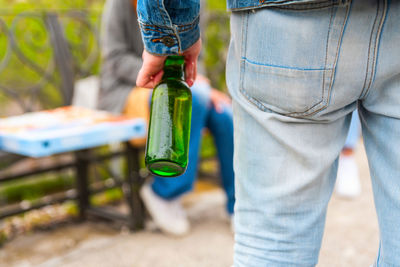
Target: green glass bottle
<point>167,147</point>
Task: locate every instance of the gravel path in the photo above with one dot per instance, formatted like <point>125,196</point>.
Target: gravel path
<point>351,238</point>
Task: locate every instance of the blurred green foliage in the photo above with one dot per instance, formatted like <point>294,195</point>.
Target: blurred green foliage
<point>71,208</point>
<point>33,49</point>
<point>207,146</point>
<point>110,196</point>
<point>33,41</point>
<point>216,5</point>
<point>3,238</point>
<point>23,5</point>
<point>34,188</point>
<point>217,36</point>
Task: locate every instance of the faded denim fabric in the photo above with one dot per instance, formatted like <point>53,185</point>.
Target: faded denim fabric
<point>168,27</point>
<point>354,132</point>
<point>172,26</point>
<point>295,76</point>
<point>236,5</point>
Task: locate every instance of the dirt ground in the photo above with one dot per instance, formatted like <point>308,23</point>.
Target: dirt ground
<point>351,238</point>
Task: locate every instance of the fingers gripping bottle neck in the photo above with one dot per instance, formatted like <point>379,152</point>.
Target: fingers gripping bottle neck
<point>167,147</point>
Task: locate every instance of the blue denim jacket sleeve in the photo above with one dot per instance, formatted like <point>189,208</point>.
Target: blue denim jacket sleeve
<point>168,26</point>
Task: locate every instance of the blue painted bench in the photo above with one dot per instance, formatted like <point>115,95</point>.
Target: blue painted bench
<point>45,53</point>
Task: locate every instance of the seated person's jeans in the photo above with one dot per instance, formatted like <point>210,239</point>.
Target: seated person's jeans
<point>296,75</point>
<point>203,115</point>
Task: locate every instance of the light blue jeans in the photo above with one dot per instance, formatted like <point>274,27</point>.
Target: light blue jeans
<point>354,131</point>
<point>296,74</point>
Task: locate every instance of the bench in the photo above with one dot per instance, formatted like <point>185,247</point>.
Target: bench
<point>46,53</point>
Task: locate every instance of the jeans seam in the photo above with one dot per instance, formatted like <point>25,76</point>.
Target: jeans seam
<point>304,9</point>
<point>333,70</point>
<point>285,67</point>
<point>284,1</point>
<point>262,4</point>
<point>161,11</point>
<point>326,56</point>
<point>245,25</point>
<point>243,54</point>
<point>245,21</point>
<point>154,30</point>
<point>304,6</point>
<point>181,28</point>
<point>363,91</point>
<point>377,40</point>
<point>264,108</point>
<point>309,6</point>
<point>261,106</point>
<point>379,254</point>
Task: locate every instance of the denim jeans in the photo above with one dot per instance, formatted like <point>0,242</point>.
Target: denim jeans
<point>295,75</point>
<point>354,131</point>
<point>221,127</point>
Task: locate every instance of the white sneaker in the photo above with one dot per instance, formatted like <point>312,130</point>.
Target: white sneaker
<point>348,180</point>
<point>168,215</point>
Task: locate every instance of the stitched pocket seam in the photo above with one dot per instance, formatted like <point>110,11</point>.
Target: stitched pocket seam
<point>327,79</point>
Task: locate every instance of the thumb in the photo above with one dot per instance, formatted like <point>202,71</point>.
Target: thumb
<point>151,72</point>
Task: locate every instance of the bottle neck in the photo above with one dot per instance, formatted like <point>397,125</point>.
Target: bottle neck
<point>174,68</point>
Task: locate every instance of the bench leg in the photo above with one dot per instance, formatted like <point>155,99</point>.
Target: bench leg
<point>132,187</point>
<point>82,183</point>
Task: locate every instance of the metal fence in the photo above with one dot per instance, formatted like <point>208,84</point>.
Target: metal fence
<point>42,54</point>
<point>38,71</point>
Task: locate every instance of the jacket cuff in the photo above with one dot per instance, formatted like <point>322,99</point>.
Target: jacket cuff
<point>165,41</point>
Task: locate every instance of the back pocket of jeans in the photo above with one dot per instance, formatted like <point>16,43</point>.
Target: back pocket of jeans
<point>285,91</point>
<point>288,58</point>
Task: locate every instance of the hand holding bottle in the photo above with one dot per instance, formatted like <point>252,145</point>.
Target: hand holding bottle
<point>152,69</point>
<point>167,147</point>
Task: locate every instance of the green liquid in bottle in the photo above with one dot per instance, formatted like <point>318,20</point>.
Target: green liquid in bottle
<point>167,147</point>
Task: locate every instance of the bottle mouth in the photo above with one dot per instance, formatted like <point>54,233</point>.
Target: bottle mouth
<point>174,67</point>
<point>165,168</point>
<point>174,61</point>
